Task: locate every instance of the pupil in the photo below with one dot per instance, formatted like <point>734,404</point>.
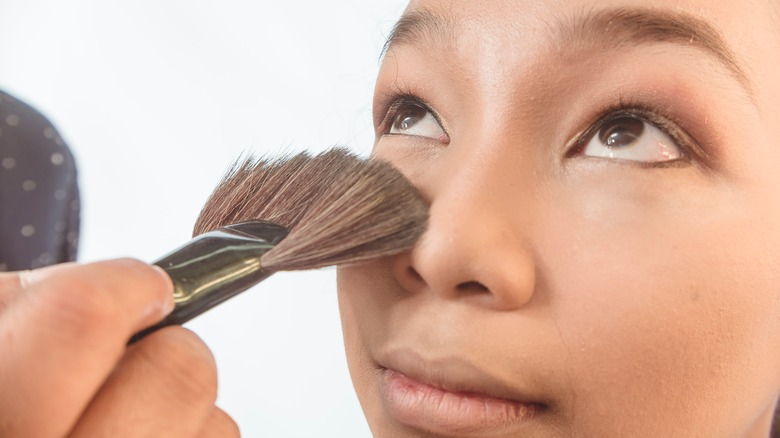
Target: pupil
<point>621,132</point>
<point>409,117</point>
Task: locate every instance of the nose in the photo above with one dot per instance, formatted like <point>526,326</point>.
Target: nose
<point>473,250</point>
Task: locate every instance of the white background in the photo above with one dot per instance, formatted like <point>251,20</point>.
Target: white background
<point>156,98</point>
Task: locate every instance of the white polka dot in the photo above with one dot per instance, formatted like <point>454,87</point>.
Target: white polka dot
<point>46,259</point>
<point>28,230</point>
<point>9,163</point>
<point>35,264</point>
<point>29,185</point>
<point>59,141</point>
<point>49,133</point>
<point>59,194</point>
<point>12,120</point>
<point>57,158</point>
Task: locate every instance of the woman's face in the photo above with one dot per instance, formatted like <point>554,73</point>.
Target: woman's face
<point>602,254</point>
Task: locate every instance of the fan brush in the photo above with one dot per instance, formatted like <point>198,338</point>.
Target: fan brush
<point>292,213</point>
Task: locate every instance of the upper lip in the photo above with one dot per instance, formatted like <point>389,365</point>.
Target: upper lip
<point>451,373</point>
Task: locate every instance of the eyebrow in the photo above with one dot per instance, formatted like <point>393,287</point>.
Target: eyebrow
<point>612,28</point>
<point>419,24</point>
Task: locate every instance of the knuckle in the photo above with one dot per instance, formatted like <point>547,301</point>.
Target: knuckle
<point>184,362</point>
<point>222,425</point>
<point>78,307</point>
<point>144,276</point>
<point>136,266</point>
<point>141,273</point>
<point>90,301</point>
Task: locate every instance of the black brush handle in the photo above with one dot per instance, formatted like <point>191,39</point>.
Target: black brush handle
<point>215,267</point>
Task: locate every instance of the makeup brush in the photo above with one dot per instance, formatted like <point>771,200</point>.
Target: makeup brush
<point>291,213</point>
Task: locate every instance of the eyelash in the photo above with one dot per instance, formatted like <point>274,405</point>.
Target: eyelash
<point>397,98</point>
<point>658,117</point>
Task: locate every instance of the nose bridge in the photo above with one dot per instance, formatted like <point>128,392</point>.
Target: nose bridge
<point>484,182</point>
<point>474,247</point>
<point>469,202</point>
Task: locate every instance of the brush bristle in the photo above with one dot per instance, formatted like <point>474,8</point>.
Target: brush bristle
<point>340,209</point>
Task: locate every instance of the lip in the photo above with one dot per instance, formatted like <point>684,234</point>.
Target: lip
<point>450,396</point>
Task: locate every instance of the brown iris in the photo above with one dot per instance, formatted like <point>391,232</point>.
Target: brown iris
<point>408,116</point>
<point>621,131</point>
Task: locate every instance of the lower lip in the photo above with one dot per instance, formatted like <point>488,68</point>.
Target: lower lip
<point>439,411</point>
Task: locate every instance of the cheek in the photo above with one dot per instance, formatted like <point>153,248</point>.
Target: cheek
<point>353,284</point>
<point>361,292</point>
<point>665,304</point>
<point>365,293</point>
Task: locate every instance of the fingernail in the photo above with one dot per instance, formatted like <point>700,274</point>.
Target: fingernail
<point>25,279</point>
<point>168,304</point>
<point>29,277</point>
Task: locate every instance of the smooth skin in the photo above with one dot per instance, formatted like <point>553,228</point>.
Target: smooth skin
<point>623,291</point>
<point>65,368</point>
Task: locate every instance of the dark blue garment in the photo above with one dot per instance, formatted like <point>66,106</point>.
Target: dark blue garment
<point>39,196</point>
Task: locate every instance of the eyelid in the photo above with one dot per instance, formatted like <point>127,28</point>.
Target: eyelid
<point>690,148</point>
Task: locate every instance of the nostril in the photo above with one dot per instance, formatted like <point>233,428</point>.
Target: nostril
<point>472,286</point>
<point>414,274</point>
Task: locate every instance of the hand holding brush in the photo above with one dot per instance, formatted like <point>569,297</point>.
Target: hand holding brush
<point>65,368</point>
<point>302,212</point>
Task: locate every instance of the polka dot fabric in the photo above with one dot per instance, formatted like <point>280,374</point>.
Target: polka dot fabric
<point>39,196</point>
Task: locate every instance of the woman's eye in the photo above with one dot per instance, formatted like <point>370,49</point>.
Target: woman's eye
<point>628,137</point>
<point>414,119</point>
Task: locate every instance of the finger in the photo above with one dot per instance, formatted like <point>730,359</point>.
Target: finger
<point>166,385</point>
<point>61,338</point>
<point>220,425</point>
<point>13,283</point>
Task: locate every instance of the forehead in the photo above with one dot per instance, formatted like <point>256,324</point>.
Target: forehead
<point>737,35</point>
<point>523,13</point>
<point>539,18</point>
